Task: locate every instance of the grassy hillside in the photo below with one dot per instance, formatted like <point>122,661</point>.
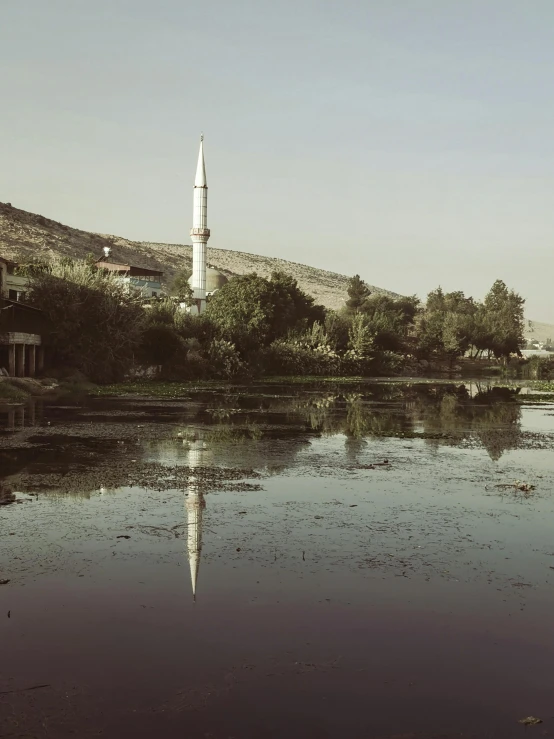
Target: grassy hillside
<point>537,331</point>
<point>25,236</point>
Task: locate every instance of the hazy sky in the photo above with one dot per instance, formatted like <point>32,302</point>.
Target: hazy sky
<point>408,140</point>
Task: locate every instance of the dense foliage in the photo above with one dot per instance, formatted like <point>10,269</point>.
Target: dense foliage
<point>180,288</point>
<point>259,326</point>
<point>252,311</point>
<point>453,324</point>
<point>95,323</point>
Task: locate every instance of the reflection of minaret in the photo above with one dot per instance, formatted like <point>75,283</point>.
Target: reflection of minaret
<point>195,504</point>
<point>200,233</point>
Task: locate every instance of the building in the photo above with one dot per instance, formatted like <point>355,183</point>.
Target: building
<point>144,280</point>
<point>21,339</point>
<point>12,285</point>
<point>200,233</point>
<point>22,327</point>
<point>214,281</point>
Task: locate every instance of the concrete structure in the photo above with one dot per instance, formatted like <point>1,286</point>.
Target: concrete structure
<point>200,233</point>
<point>144,280</point>
<point>21,351</point>
<point>21,326</point>
<point>214,281</point>
<point>537,353</point>
<point>12,285</point>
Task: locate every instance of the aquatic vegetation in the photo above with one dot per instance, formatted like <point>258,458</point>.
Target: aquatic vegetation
<point>9,391</point>
<point>156,389</point>
<point>543,386</point>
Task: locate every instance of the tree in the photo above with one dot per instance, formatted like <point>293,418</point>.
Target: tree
<point>504,320</point>
<point>457,331</point>
<point>358,293</point>
<point>95,322</point>
<point>251,311</point>
<point>337,326</point>
<point>180,287</point>
<point>447,323</point>
<point>390,319</point>
<point>360,339</point>
<point>295,308</point>
<point>159,344</point>
<point>160,339</point>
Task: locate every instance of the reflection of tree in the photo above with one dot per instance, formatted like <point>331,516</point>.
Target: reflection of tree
<point>364,420</point>
<point>264,432</point>
<point>318,412</point>
<point>492,416</point>
<point>353,446</point>
<point>442,414</point>
<point>498,425</point>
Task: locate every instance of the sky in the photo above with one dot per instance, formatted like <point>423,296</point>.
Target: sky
<point>408,141</point>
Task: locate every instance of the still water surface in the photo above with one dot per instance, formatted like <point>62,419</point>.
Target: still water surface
<point>279,561</point>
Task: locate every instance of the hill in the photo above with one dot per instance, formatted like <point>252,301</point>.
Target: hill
<point>26,236</point>
<point>537,331</point>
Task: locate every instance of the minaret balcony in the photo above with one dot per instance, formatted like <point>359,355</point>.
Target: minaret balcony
<point>200,232</point>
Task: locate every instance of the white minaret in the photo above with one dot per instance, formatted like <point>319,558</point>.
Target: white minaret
<point>200,233</point>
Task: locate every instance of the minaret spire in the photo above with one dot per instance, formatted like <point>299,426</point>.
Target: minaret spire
<point>200,179</point>
<point>200,233</point>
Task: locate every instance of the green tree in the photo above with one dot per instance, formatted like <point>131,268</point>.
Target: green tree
<point>294,307</point>
<point>161,340</point>
<point>447,323</point>
<point>251,311</point>
<point>457,332</point>
<point>95,322</point>
<point>360,337</point>
<point>337,326</point>
<point>180,287</point>
<point>160,343</point>
<point>504,320</point>
<point>390,320</point>
<point>358,293</point>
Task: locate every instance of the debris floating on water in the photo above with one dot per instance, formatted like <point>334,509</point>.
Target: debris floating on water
<point>517,485</point>
<point>530,721</point>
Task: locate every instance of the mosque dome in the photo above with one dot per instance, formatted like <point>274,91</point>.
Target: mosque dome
<point>214,279</point>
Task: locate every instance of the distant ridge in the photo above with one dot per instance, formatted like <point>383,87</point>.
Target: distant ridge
<point>25,236</point>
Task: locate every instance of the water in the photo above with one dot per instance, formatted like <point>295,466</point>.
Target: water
<point>298,562</point>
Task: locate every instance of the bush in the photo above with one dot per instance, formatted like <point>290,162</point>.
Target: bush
<point>295,357</point>
<point>9,391</point>
<point>95,322</point>
<point>224,359</point>
<point>160,343</point>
